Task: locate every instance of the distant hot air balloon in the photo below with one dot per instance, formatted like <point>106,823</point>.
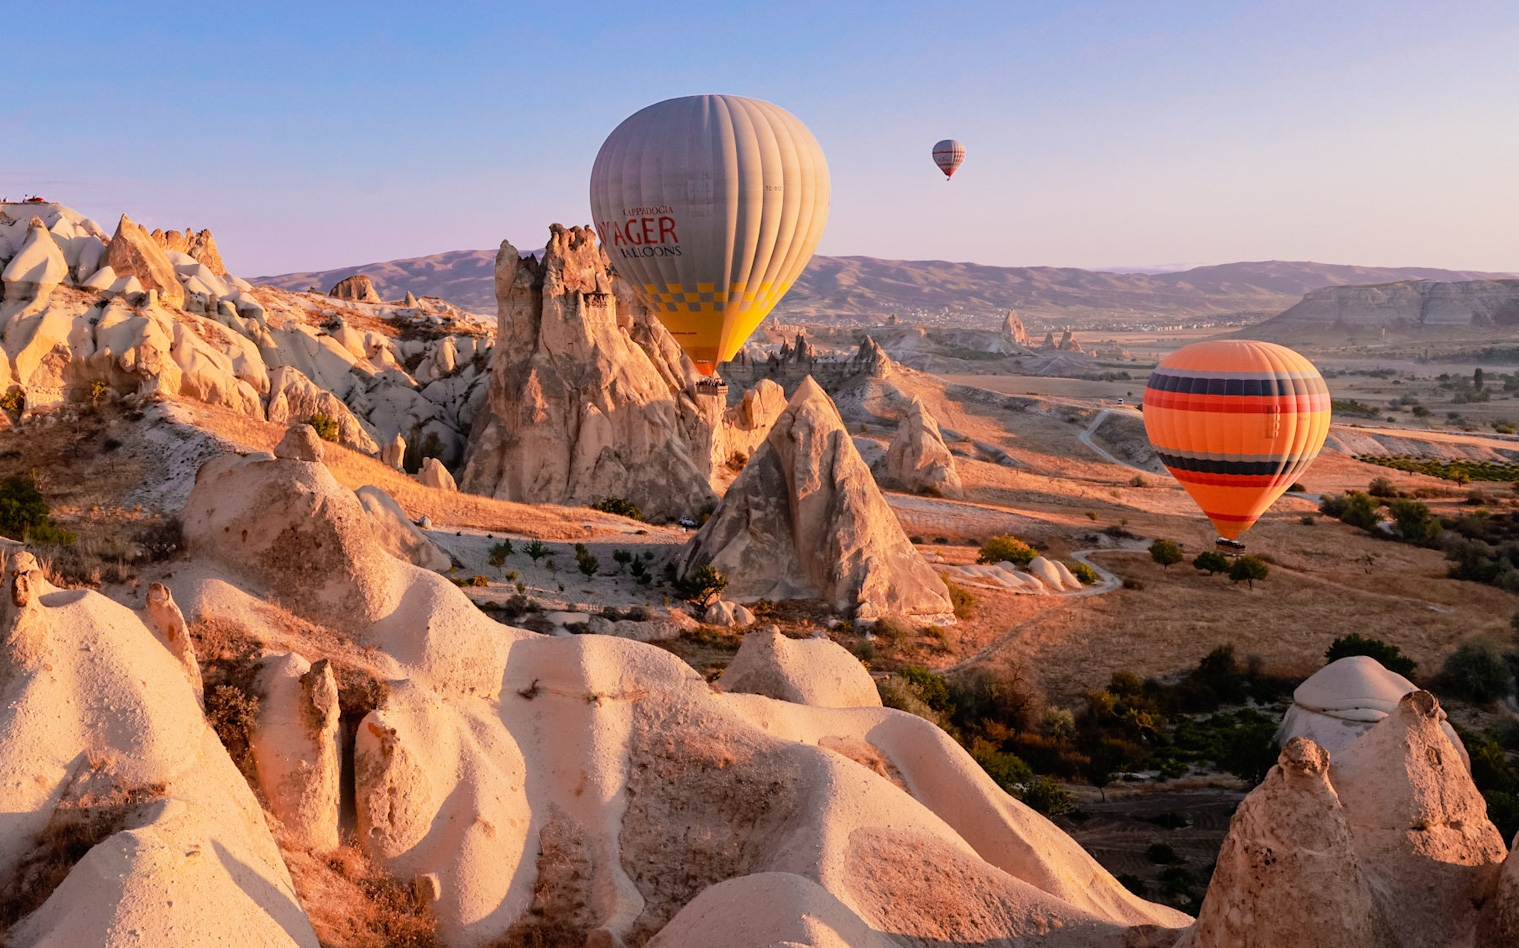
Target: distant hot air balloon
<point>711,206</point>
<point>947,155</point>
<point>1236,422</point>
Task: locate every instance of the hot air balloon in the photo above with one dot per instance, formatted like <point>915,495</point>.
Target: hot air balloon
<point>1236,422</point>
<point>710,206</point>
<point>947,155</point>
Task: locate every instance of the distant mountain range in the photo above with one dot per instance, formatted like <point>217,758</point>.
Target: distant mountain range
<point>871,287</point>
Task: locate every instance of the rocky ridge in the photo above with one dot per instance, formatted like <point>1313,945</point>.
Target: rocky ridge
<point>589,398</point>
<point>157,314</point>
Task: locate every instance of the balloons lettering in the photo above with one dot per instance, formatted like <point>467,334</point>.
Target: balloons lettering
<point>947,155</point>
<point>710,206</point>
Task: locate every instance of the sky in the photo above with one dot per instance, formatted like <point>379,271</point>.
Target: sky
<point>1126,134</point>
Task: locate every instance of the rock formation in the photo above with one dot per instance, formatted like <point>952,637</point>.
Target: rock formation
<point>410,302</point>
<point>579,411</point>
<point>132,253</point>
<point>743,427</point>
<point>294,398</point>
<point>1014,336</point>
<point>295,747</point>
<point>300,443</point>
<point>199,245</point>
<point>126,822</point>
<point>357,288</point>
<point>1341,701</point>
<point>727,615</point>
<point>394,453</point>
<point>1049,341</point>
<point>1409,306</point>
<point>168,623</point>
<point>36,269</point>
<point>805,519</point>
<point>918,459</point>
<point>395,531</point>
<point>815,671</point>
<point>1288,873</point>
<point>434,474</point>
<point>1420,826</point>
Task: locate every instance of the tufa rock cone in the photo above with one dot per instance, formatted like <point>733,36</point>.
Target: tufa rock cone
<point>918,459</point>
<point>805,519</point>
<point>133,253</point>
<point>1287,873</point>
<point>360,289</point>
<point>1419,824</point>
<point>579,408</point>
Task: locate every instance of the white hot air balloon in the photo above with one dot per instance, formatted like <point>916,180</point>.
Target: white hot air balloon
<point>710,206</point>
<point>947,155</point>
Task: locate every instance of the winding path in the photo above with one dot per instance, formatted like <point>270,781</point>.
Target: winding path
<point>1086,439</point>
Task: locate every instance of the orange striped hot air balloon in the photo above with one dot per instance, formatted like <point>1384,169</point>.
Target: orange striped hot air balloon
<point>1236,422</point>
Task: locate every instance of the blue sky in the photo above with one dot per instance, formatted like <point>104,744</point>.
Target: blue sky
<point>1100,134</point>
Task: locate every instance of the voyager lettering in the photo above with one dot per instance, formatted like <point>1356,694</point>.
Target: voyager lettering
<point>640,231</point>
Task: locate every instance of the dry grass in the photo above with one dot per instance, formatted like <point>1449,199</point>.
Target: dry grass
<point>352,903</point>
<point>81,820</point>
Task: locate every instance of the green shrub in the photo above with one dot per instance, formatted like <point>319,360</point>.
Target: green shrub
<point>13,401</point>
<point>620,507</point>
<point>326,426</point>
<point>1165,552</point>
<point>931,689</point>
<point>24,514</point>
<point>1391,657</point>
<point>1048,796</point>
<point>1383,487</point>
<point>1138,480</point>
<point>1002,549</point>
<point>1133,883</point>
<point>1352,507</point>
<point>1211,562</point>
<point>1415,522</point>
<point>1249,569</point>
<point>1476,671</point>
<point>585,561</point>
<point>699,586</point>
<point>963,600</point>
<point>1163,854</point>
<point>536,550</point>
<point>499,553</point>
<point>1086,574</point>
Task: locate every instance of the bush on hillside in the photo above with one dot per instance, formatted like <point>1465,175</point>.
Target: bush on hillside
<point>619,507</point>
<point>1476,671</point>
<point>326,426</point>
<point>1390,656</point>
<point>1000,549</point>
<point>1084,573</point>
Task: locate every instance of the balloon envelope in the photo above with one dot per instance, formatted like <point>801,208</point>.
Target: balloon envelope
<point>1236,422</point>
<point>710,206</point>
<point>947,155</point>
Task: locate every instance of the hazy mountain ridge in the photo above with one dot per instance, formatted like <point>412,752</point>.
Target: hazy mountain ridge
<point>869,286</point>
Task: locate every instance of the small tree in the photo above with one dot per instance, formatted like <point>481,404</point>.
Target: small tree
<point>1000,549</point>
<point>1249,569</point>
<point>1165,552</point>
<point>1390,656</point>
<point>619,506</point>
<point>1477,672</point>
<point>1210,562</point>
<point>499,553</point>
<point>587,562</point>
<point>1415,522</point>
<point>622,558</point>
<point>536,550</point>
<point>699,586</point>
